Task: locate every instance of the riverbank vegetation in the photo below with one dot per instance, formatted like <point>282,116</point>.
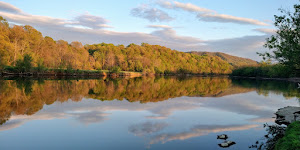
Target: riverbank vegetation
<point>265,70</point>
<point>24,49</point>
<point>290,141</point>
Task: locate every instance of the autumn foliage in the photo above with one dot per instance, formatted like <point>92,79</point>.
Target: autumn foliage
<point>18,41</point>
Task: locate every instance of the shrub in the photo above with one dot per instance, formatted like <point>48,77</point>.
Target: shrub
<point>10,69</point>
<point>69,69</point>
<point>115,69</point>
<point>25,64</point>
<point>269,71</point>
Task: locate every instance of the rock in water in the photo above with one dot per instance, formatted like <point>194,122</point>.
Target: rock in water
<point>222,136</point>
<point>287,115</point>
<point>226,144</point>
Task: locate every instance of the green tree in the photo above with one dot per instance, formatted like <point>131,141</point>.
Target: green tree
<point>285,43</point>
<point>115,69</point>
<point>27,62</point>
<point>24,65</point>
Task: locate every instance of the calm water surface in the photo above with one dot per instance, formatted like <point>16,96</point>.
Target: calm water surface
<point>140,113</point>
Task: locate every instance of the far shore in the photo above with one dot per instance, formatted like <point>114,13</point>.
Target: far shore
<point>294,79</point>
<point>102,74</point>
<point>64,74</point>
<point>130,75</point>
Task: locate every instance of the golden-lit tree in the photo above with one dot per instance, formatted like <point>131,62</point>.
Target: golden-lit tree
<point>17,41</point>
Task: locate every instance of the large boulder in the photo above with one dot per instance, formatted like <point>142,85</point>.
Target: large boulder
<point>287,115</point>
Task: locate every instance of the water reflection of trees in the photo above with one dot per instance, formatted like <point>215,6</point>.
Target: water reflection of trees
<point>157,89</point>
<point>26,97</point>
<point>265,87</point>
<point>268,142</point>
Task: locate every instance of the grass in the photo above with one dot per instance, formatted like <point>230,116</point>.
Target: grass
<point>291,139</point>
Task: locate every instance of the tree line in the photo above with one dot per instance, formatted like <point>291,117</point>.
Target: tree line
<point>19,44</point>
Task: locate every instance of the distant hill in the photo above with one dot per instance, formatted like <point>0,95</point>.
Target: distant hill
<point>232,60</point>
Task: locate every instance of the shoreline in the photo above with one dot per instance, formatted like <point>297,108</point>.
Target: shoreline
<point>61,74</point>
<point>294,79</point>
<point>130,75</point>
<point>102,74</point>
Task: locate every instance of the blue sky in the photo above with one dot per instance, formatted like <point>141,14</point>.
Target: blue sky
<point>231,26</point>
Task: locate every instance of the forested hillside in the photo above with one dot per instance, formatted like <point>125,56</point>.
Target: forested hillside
<point>232,60</point>
<point>19,41</point>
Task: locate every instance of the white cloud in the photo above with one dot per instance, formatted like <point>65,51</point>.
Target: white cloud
<point>265,30</point>
<point>215,17</point>
<point>33,20</point>
<point>151,14</point>
<point>14,14</point>
<point>183,6</point>
<point>165,4</point>
<point>9,8</point>
<point>209,15</point>
<point>159,26</point>
<point>170,36</point>
<point>91,21</point>
<point>190,7</point>
<point>245,46</point>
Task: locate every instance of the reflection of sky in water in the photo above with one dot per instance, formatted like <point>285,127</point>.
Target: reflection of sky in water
<point>184,122</point>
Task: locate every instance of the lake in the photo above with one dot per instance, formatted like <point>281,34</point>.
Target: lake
<point>138,113</point>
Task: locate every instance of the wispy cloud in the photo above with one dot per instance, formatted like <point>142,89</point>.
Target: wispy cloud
<point>9,8</point>
<point>91,21</point>
<point>209,15</point>
<point>265,30</point>
<point>16,15</point>
<point>159,26</point>
<point>151,14</point>
<point>190,7</point>
<point>170,35</point>
<point>215,17</point>
<point>183,6</point>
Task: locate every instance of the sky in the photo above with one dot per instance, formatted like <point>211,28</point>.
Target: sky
<point>235,27</point>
